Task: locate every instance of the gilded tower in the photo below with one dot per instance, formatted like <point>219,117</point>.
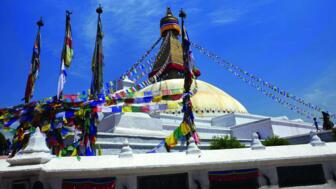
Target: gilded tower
<point>170,54</point>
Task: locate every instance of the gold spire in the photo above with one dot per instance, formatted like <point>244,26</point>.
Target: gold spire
<point>172,51</point>
<point>169,12</point>
<point>169,22</point>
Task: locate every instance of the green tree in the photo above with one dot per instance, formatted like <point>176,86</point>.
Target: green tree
<point>275,141</point>
<point>225,142</point>
<point>3,144</point>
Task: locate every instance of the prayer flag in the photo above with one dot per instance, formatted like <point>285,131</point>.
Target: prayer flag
<point>97,60</point>
<point>35,65</point>
<point>61,80</point>
<point>67,52</point>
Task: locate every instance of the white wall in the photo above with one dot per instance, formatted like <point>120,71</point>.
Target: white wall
<point>286,130</point>
<point>228,120</point>
<point>263,127</point>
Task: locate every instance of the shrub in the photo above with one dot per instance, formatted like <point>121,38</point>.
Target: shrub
<point>275,141</point>
<point>225,142</point>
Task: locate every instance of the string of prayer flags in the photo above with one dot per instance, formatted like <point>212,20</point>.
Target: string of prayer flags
<point>133,69</point>
<point>179,133</point>
<point>254,80</point>
<point>156,148</point>
<point>187,127</point>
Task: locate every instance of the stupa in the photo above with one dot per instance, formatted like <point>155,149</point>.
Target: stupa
<point>128,135</point>
<point>216,112</point>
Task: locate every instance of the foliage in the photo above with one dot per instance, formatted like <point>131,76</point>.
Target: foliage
<point>275,141</point>
<point>225,142</point>
<point>3,144</point>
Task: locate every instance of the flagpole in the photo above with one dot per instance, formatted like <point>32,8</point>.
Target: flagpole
<point>66,57</point>
<point>187,128</point>
<point>188,116</point>
<point>40,23</point>
<point>96,85</point>
<point>97,60</point>
<point>35,64</point>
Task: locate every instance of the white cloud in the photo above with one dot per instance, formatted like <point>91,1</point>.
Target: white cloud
<point>230,13</point>
<point>79,74</point>
<point>123,22</point>
<point>128,18</point>
<point>225,16</point>
<point>323,91</point>
<point>137,22</point>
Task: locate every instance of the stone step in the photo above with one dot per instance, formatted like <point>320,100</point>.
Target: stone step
<point>111,143</point>
<point>109,148</point>
<point>213,130</point>
<point>118,138</point>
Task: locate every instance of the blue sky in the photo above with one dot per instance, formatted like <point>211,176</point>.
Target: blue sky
<point>292,44</point>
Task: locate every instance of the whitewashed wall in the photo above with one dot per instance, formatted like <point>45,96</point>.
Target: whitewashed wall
<point>263,127</point>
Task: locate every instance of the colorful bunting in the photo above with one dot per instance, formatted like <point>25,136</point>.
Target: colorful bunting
<point>140,60</point>
<point>272,91</point>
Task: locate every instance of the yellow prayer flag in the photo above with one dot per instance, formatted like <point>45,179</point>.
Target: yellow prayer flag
<point>74,152</point>
<point>45,127</point>
<point>65,120</point>
<point>126,109</point>
<point>79,112</point>
<point>185,128</point>
<point>157,98</point>
<point>100,152</point>
<point>173,105</point>
<point>171,141</point>
<point>4,116</point>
